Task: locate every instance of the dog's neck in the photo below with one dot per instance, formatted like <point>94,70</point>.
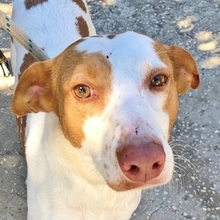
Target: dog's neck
<point>56,171</point>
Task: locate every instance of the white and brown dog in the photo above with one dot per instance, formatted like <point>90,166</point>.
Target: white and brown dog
<point>99,115</point>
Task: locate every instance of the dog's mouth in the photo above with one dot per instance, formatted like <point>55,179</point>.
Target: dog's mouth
<point>126,185</point>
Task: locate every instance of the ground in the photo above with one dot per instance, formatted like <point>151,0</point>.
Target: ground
<point>194,192</point>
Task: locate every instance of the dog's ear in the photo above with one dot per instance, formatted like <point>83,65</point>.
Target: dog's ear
<point>185,70</point>
<point>35,91</point>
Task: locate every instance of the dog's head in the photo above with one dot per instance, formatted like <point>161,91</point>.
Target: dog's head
<point>117,97</point>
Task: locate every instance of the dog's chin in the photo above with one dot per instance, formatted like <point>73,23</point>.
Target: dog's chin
<point>125,185</point>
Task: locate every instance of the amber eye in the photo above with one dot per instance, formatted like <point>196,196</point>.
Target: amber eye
<point>158,80</point>
<point>82,91</point>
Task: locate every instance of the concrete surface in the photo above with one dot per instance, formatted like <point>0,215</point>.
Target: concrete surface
<point>194,192</point>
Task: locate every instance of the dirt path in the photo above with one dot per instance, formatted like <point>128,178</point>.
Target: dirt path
<point>195,190</point>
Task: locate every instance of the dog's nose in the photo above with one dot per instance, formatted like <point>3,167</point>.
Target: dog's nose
<point>141,163</point>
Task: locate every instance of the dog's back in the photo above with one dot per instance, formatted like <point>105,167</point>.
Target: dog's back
<point>52,24</point>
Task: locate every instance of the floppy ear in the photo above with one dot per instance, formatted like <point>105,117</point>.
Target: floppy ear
<point>185,70</point>
<point>34,92</point>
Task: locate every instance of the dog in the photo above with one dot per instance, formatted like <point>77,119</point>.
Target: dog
<point>95,119</point>
<point>4,66</point>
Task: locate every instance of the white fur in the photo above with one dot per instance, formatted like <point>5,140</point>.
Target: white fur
<point>69,193</point>
<point>65,182</point>
<point>129,103</point>
<point>50,25</point>
<point>82,193</point>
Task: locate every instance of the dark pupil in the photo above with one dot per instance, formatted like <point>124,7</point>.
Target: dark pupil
<point>82,90</point>
<point>157,80</point>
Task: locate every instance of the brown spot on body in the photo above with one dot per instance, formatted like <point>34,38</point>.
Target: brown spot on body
<point>31,3</point>
<point>12,39</point>
<point>21,126</point>
<point>81,4</point>
<point>82,26</point>
<point>21,122</point>
<point>111,36</point>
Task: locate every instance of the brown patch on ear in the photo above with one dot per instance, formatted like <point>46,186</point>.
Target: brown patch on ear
<point>31,3</point>
<point>93,70</point>
<point>34,92</point>
<point>184,68</point>
<point>21,121</point>
<point>81,4</point>
<point>83,28</point>
<point>186,73</point>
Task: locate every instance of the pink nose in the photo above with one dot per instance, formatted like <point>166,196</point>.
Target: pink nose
<point>141,163</point>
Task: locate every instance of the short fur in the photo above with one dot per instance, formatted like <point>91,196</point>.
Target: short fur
<point>99,114</point>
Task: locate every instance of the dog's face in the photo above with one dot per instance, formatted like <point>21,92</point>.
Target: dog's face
<point>116,97</point>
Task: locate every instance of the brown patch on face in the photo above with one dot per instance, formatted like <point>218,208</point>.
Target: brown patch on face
<point>31,3</point>
<point>184,74</point>
<point>171,104</point>
<point>111,36</point>
<point>92,70</point>
<point>49,86</point>
<point>83,28</point>
<point>81,4</point>
<point>12,39</point>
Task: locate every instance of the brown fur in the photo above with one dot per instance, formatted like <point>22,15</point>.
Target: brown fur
<point>81,4</point>
<point>111,36</point>
<point>21,121</point>
<point>83,28</point>
<point>21,126</point>
<point>183,75</point>
<point>31,3</point>
<point>48,86</point>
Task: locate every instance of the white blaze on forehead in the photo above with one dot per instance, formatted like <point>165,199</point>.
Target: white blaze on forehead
<point>131,105</point>
<point>123,48</point>
<point>132,57</point>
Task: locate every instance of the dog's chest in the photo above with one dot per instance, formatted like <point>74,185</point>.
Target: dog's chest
<point>57,191</point>
<point>106,206</point>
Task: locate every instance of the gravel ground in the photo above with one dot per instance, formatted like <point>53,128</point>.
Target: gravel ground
<point>194,192</point>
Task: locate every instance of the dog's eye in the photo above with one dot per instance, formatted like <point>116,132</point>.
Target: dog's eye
<point>82,91</point>
<point>158,80</point>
